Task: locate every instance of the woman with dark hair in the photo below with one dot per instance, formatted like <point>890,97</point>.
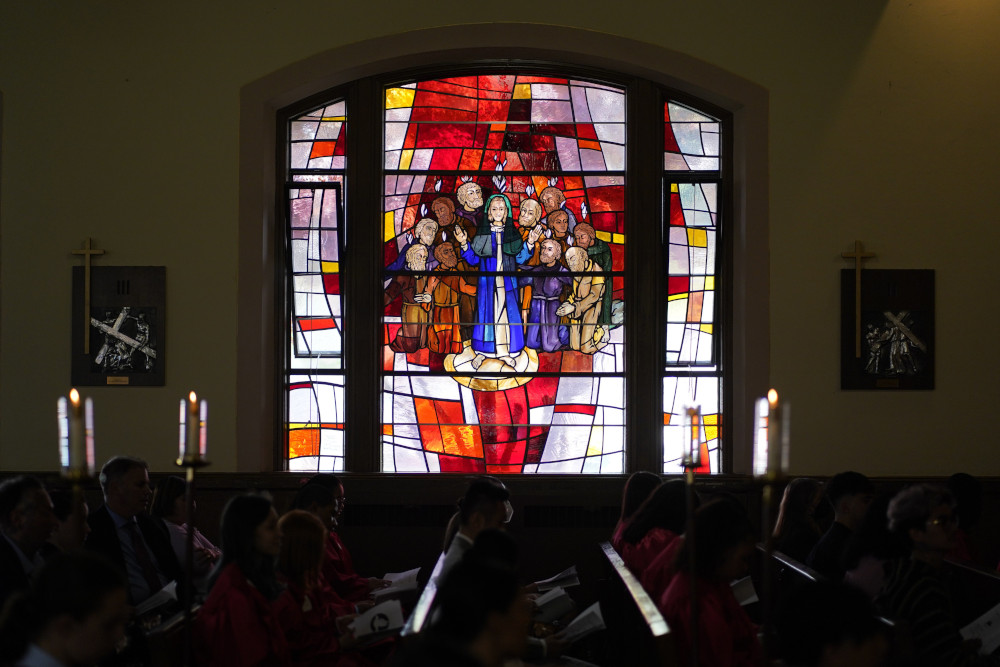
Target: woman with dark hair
<point>74,614</point>
<point>870,548</point>
<point>169,504</point>
<point>237,626</point>
<point>637,489</point>
<point>915,590</point>
<point>308,614</point>
<point>657,523</point>
<point>723,544</point>
<point>796,531</point>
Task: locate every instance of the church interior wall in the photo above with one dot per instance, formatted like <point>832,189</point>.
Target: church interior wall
<point>120,122</point>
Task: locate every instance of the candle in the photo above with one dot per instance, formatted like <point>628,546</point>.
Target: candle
<point>62,419</point>
<point>193,428</point>
<point>77,436</point>
<point>761,409</point>
<point>777,435</point>
<point>88,416</point>
<point>693,458</point>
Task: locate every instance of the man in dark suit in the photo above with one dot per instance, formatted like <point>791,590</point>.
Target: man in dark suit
<point>122,531</point>
<point>26,522</point>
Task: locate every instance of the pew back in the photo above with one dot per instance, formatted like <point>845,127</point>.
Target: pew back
<point>637,632</point>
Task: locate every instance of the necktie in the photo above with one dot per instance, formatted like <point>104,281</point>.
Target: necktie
<point>149,571</point>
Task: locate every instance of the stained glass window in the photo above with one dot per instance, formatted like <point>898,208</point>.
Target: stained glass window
<point>500,259</point>
<point>504,251</point>
<point>692,375</point>
<point>314,368</point>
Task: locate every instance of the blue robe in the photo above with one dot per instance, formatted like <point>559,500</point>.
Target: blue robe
<point>482,252</point>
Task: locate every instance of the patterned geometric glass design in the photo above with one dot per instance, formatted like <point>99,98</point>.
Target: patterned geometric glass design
<point>692,375</point>
<point>504,237</point>
<point>315,229</point>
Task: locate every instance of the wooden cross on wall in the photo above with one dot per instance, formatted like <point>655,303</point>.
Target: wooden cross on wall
<point>859,255</point>
<point>87,251</point>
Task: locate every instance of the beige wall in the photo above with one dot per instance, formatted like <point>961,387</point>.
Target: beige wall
<point>120,122</point>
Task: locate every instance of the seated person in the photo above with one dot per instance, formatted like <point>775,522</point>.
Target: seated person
<point>482,619</point>
<point>74,614</point>
<point>26,522</point>
<point>238,625</point>
<point>170,506</point>
<point>849,494</point>
<point>830,625</point>
<point>485,505</point>
<point>657,523</point>
<point>915,589</point>
<point>71,512</point>
<point>307,616</point>
<point>724,543</point>
<point>796,531</point>
<point>123,533</point>
<point>324,497</point>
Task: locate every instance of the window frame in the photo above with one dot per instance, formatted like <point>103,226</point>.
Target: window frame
<point>259,407</point>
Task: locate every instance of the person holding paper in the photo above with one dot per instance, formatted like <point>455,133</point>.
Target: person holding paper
<point>238,625</point>
<point>125,534</point>
<point>724,543</point>
<point>314,624</point>
<point>324,497</point>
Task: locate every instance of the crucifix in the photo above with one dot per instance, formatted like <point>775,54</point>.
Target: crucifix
<point>858,256</point>
<point>87,251</point>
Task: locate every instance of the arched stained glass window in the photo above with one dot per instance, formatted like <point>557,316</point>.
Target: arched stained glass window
<point>504,212</point>
<point>503,278</point>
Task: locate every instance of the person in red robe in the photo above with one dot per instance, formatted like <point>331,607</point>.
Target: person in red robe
<point>313,620</point>
<point>725,636</point>
<point>657,523</point>
<point>447,287</point>
<point>324,497</point>
<point>238,625</point>
<point>638,487</point>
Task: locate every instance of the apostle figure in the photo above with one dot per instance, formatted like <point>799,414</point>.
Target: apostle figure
<point>543,331</point>
<point>600,254</point>
<point>558,224</point>
<point>447,287</point>
<point>412,335</point>
<point>583,308</point>
<point>527,220</point>
<point>497,246</point>
<point>443,209</point>
<point>470,196</point>
<point>424,233</point>
<point>553,200</point>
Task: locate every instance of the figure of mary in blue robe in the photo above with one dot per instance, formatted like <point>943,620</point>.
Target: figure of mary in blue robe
<point>497,246</point>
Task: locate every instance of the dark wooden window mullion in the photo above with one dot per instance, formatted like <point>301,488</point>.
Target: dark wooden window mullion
<point>361,278</point>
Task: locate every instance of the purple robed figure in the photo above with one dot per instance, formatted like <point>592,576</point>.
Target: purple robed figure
<point>497,246</point>
<point>544,331</point>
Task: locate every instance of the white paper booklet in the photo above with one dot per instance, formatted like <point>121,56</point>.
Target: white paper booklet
<point>744,591</point>
<point>588,622</point>
<point>564,579</point>
<point>166,594</point>
<point>400,583</point>
<point>552,605</point>
<point>380,619</point>
<point>987,629</point>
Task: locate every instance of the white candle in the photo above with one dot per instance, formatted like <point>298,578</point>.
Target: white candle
<point>62,419</point>
<point>774,455</point>
<point>88,410</point>
<point>761,409</point>
<point>77,437</point>
<point>203,430</point>
<point>694,437</point>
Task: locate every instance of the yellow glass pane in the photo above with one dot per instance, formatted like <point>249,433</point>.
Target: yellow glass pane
<point>697,238</point>
<point>398,98</point>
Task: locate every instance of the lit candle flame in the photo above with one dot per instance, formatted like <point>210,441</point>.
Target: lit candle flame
<point>74,396</point>
<point>772,397</point>
<point>193,397</point>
